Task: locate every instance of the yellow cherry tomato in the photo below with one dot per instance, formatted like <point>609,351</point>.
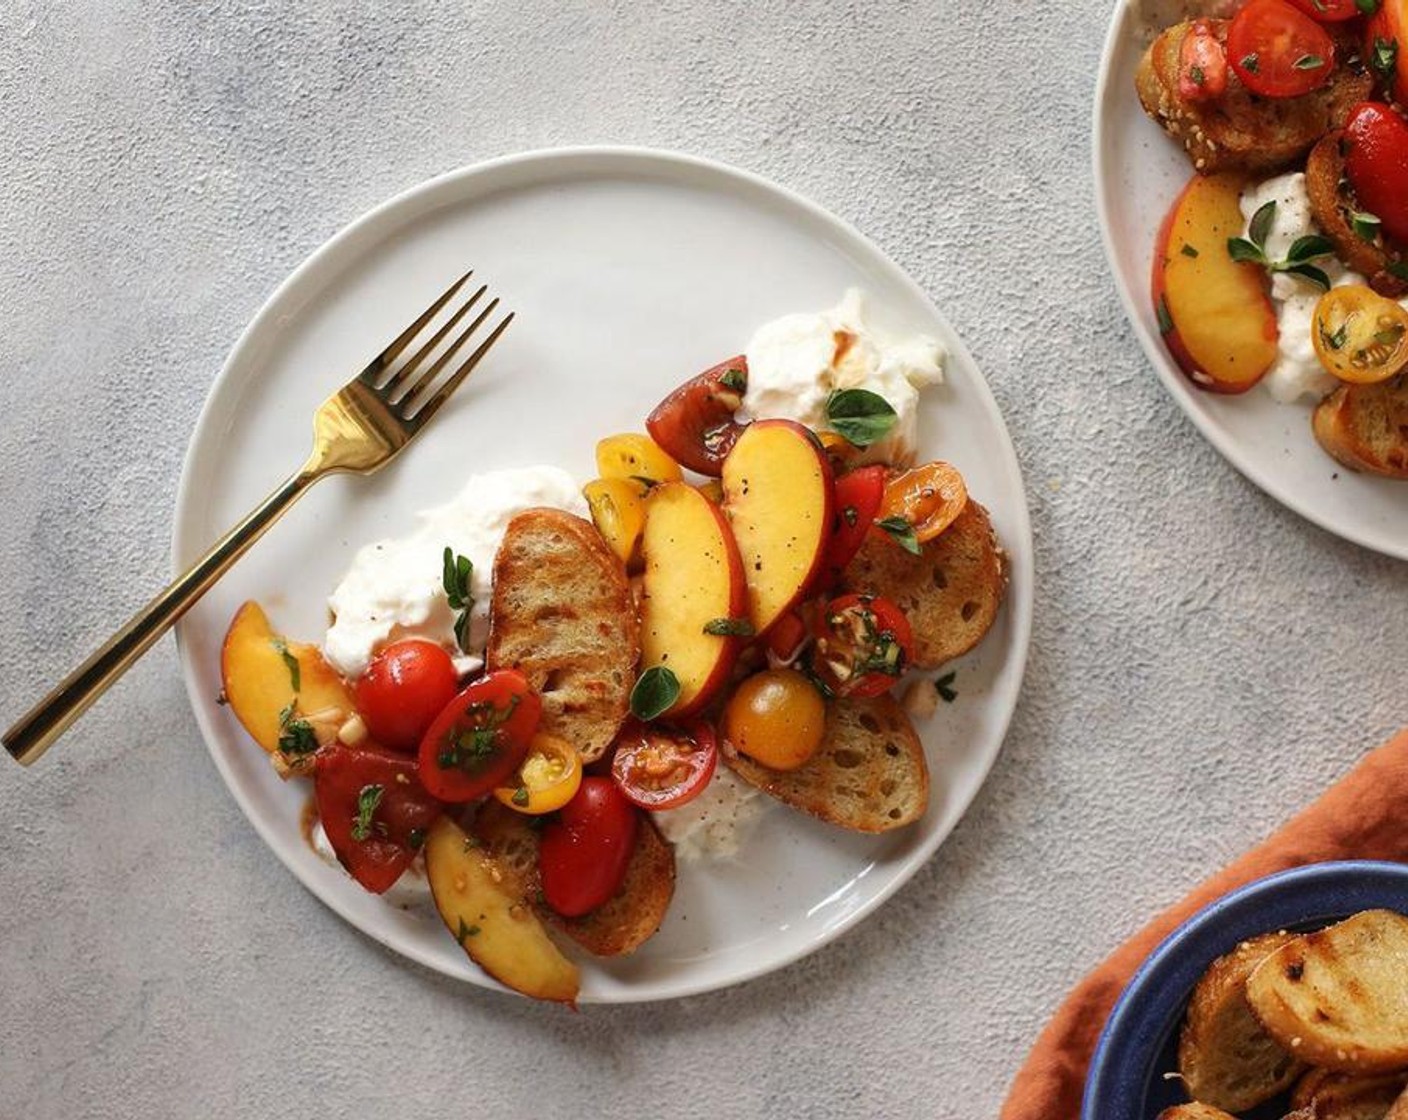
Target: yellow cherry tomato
<point>777,718</point>
<point>928,497</point>
<point>635,456</point>
<point>618,511</point>
<point>1360,336</point>
<point>547,779</point>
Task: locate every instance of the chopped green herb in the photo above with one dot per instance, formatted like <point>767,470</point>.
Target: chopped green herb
<point>1196,73</point>
<point>1337,340</point>
<point>1164,318</point>
<point>464,933</point>
<point>1385,56</point>
<point>729,627</point>
<point>901,532</point>
<point>295,735</point>
<point>1188,250</point>
<point>1368,7</point>
<point>295,672</point>
<point>367,801</point>
<point>455,578</point>
<point>415,839</point>
<point>646,481</point>
<point>1389,337</point>
<point>1398,268</point>
<point>945,688</point>
<point>520,796</point>
<point>1308,62</point>
<point>1366,226</point>
<point>734,379</point>
<point>1251,62</point>
<point>860,416</point>
<point>850,515</point>
<point>654,692</point>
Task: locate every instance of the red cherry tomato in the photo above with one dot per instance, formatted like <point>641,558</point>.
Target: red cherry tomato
<point>694,425</point>
<point>858,496</point>
<point>1386,48</point>
<point>1329,11</point>
<point>1278,50</point>
<point>658,768</point>
<point>374,809</point>
<point>1376,161</point>
<point>585,852</point>
<point>404,688</point>
<point>477,742</point>
<point>863,644</point>
<point>1202,64</point>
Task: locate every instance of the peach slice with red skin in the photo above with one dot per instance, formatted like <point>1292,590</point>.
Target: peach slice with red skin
<point>693,583</point>
<point>257,673</point>
<point>1214,313</point>
<point>779,498</point>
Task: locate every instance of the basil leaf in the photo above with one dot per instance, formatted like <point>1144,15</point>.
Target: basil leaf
<point>1261,223</point>
<point>1368,7</point>
<point>1307,248</point>
<point>1162,314</point>
<point>901,532</point>
<point>295,671</point>
<point>944,686</point>
<point>1311,273</point>
<point>1308,62</point>
<point>1385,56</point>
<point>1366,225</point>
<point>729,627</point>
<point>860,416</point>
<point>656,690</point>
<point>1240,249</point>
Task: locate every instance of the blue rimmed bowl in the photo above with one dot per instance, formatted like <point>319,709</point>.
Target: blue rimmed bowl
<point>1139,1044</point>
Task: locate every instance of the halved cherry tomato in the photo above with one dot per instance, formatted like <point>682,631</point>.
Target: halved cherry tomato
<point>374,810</point>
<point>1386,47</point>
<point>928,497</point>
<point>547,778</point>
<point>858,495</point>
<point>695,423</point>
<point>1202,64</point>
<point>635,456</point>
<point>584,853</point>
<point>1376,161</point>
<point>618,512</point>
<point>404,688</point>
<point>1278,50</point>
<point>863,643</point>
<point>776,717</point>
<point>480,737</point>
<point>1329,11</point>
<point>659,768</point>
<point>1360,336</point>
<point>786,636</point>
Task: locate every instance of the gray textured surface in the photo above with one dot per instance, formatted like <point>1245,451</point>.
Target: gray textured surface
<point>1203,663</point>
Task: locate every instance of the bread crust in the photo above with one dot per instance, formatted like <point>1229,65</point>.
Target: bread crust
<point>1332,203</point>
<point>1225,1056</point>
<point>868,775</point>
<point>563,615</point>
<point>1240,131</point>
<point>1365,427</point>
<point>1326,1095</point>
<point>951,592</point>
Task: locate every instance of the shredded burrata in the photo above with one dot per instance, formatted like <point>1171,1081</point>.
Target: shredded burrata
<point>1297,372</point>
<point>796,362</point>
<point>715,824</point>
<point>394,588</point>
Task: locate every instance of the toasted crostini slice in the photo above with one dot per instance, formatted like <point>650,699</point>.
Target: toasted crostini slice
<point>1365,427</point>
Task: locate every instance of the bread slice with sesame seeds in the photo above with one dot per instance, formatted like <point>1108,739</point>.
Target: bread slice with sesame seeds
<point>868,775</point>
<point>1333,203</point>
<point>563,614</point>
<point>1240,131</point>
<point>950,592</point>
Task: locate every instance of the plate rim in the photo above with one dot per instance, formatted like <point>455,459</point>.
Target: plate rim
<point>1173,380</point>
<point>1020,602</point>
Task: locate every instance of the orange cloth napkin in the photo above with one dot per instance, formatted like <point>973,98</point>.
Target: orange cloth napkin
<point>1361,817</point>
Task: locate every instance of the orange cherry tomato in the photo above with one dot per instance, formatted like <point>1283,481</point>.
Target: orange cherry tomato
<point>929,498</point>
<point>777,718</point>
<point>1360,336</point>
<point>547,779</point>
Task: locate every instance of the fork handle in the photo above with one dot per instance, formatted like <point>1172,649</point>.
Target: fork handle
<point>47,720</point>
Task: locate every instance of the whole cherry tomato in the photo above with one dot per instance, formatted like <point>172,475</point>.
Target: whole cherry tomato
<point>1329,11</point>
<point>1376,161</point>
<point>777,718</point>
<point>858,496</point>
<point>374,810</point>
<point>1202,64</point>
<point>694,425</point>
<point>404,688</point>
<point>480,738</point>
<point>660,768</point>
<point>584,853</point>
<point>1278,50</point>
<point>863,644</point>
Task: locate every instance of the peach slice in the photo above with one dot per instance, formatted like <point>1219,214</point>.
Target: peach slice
<point>1213,312</point>
<point>262,674</point>
<point>693,585</point>
<point>778,495</point>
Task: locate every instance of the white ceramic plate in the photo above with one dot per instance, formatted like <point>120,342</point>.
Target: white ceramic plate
<point>1138,173</point>
<point>629,271</point>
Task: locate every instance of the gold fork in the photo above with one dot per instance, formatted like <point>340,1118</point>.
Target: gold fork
<point>359,428</point>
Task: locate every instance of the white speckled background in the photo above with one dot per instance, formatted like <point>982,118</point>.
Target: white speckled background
<point>1204,662</point>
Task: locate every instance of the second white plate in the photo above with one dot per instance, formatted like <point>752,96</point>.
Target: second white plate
<point>629,272</point>
<point>1138,173</point>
